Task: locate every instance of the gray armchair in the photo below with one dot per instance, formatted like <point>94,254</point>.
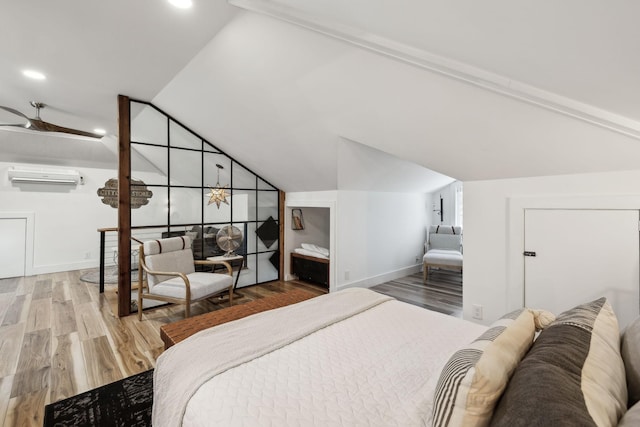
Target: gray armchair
<point>444,249</point>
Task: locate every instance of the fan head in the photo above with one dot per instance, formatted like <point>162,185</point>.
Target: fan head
<point>229,238</point>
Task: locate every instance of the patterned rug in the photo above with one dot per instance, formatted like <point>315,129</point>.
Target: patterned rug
<point>125,403</point>
<point>110,275</point>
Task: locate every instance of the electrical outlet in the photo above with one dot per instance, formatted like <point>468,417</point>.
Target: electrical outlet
<point>347,273</point>
<point>477,311</point>
<point>87,255</point>
<point>417,259</point>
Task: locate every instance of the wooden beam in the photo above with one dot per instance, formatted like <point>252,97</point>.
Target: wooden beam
<point>281,199</point>
<point>124,207</point>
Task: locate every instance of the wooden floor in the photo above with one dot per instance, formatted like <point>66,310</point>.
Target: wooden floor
<point>442,292</point>
<point>59,336</point>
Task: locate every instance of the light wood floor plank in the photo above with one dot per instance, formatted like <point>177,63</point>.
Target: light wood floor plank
<point>11,338</point>
<point>36,351</point>
<point>18,310</point>
<point>10,285</point>
<point>61,291</point>
<point>101,363</point>
<point>80,293</point>
<point>63,318</point>
<point>26,285</point>
<point>27,410</point>
<point>5,303</point>
<point>39,316</point>
<point>128,351</point>
<point>27,382</point>
<point>5,391</point>
<point>145,333</point>
<point>64,372</point>
<point>42,289</point>
<point>88,321</point>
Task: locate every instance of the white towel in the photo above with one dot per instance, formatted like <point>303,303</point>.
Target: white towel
<point>307,252</point>
<point>315,248</point>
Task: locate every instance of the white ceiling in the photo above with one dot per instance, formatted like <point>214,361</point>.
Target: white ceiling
<point>585,50</point>
<point>91,51</point>
<point>473,90</point>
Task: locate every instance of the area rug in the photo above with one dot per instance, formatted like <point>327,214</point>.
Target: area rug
<point>123,403</point>
<point>110,275</point>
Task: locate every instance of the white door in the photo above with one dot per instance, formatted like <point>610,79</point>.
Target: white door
<point>581,255</point>
<point>13,232</point>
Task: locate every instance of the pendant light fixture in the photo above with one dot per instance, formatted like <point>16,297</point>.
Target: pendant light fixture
<point>218,194</point>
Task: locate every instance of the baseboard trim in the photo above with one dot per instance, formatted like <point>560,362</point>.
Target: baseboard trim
<point>56,268</point>
<point>372,281</point>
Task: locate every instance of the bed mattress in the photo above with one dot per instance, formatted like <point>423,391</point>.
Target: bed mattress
<point>376,368</point>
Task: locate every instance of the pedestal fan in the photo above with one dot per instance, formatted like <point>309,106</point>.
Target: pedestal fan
<point>229,238</point>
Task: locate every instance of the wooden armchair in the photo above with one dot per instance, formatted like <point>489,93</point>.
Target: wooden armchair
<point>171,274</point>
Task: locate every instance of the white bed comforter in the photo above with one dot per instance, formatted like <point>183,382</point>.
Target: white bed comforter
<point>376,363</point>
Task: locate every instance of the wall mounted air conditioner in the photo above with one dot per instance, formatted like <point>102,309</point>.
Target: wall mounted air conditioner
<point>39,175</point>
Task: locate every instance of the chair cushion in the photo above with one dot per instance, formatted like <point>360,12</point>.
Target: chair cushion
<point>171,244</point>
<point>445,241</point>
<point>202,284</point>
<point>178,261</point>
<point>443,257</point>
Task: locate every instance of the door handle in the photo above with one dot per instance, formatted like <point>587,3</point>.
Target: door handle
<point>529,253</point>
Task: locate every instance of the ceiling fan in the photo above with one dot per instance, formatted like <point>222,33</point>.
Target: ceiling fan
<point>39,125</point>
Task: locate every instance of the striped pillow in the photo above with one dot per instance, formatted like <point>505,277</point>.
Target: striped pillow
<point>572,376</point>
<point>473,379</point>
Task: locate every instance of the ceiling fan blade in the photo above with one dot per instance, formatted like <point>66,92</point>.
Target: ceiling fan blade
<point>50,127</point>
<point>14,111</point>
<point>16,125</point>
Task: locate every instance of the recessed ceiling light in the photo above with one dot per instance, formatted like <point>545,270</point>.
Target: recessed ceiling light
<point>100,131</point>
<point>32,74</point>
<point>182,4</point>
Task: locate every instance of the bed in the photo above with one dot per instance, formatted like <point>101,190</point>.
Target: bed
<point>350,358</point>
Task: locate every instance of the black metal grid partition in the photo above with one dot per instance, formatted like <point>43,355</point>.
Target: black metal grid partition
<point>180,168</point>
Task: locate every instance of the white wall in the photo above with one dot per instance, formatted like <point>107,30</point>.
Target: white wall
<point>430,216</point>
<point>374,237</point>
<point>66,218</point>
<point>448,195</point>
<point>380,236</point>
<point>316,227</point>
<point>493,233</point>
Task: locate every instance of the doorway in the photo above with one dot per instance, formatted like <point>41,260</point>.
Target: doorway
<point>13,246</point>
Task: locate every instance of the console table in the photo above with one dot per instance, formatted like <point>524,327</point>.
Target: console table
<point>236,260</point>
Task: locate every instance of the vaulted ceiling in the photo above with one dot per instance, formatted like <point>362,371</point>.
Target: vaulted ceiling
<point>306,92</point>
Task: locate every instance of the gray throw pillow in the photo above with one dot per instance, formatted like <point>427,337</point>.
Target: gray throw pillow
<point>631,418</point>
<point>630,351</point>
<point>573,375</point>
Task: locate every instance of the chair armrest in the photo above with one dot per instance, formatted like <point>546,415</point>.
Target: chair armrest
<point>167,273</point>
<point>207,262</point>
